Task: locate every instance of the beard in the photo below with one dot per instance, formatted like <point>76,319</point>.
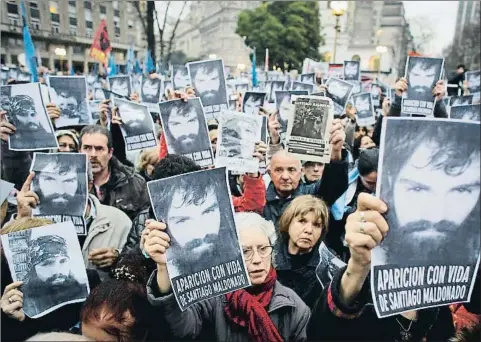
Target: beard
<point>186,259</point>
<point>447,244</point>
<point>187,141</point>
<point>56,204</point>
<point>30,127</point>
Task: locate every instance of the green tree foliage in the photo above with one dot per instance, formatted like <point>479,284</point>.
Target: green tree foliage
<point>289,29</point>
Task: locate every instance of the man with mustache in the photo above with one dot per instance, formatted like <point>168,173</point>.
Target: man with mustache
<point>423,73</point>
<point>134,120</point>
<point>432,184</point>
<point>185,128</point>
<point>72,105</point>
<point>208,80</point>
<point>49,280</point>
<point>151,90</point>
<point>197,214</point>
<point>56,184</point>
<point>22,113</point>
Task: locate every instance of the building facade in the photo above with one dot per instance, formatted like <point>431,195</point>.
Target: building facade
<point>69,25</point>
<point>467,12</point>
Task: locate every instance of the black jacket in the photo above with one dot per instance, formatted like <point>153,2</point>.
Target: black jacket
<point>329,188</point>
<point>298,272</point>
<point>138,225</point>
<point>436,324</point>
<point>15,165</point>
<point>125,190</point>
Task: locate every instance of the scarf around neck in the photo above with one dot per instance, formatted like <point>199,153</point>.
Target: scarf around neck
<point>248,308</point>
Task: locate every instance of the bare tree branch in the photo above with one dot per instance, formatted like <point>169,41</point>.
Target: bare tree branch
<point>161,34</point>
<point>162,44</point>
<point>142,19</point>
<point>172,36</point>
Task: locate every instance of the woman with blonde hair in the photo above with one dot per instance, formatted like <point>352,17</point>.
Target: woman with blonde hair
<point>148,159</point>
<point>16,326</point>
<point>302,227</point>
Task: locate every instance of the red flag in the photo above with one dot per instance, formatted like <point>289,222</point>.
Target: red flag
<point>101,44</point>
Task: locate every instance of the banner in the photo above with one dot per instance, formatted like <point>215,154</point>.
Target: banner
<point>101,44</point>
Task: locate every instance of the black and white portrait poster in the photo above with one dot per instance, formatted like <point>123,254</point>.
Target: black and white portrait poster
<point>308,78</point>
<point>120,86</point>
<point>466,112</point>
<point>60,183</point>
<point>24,77</point>
<point>180,77</point>
<point>242,88</point>
<point>137,83</point>
<point>238,135</point>
<point>356,87</point>
<point>474,82</point>
<point>308,133</point>
<point>13,73</point>
<point>98,91</point>
<point>69,93</point>
<point>284,106</point>
<point>205,259</point>
<point>429,178</point>
<point>376,91</point>
<point>309,87</point>
<point>3,76</point>
<point>422,73</point>
<point>94,111</point>
<point>207,77</point>
<point>151,90</point>
<point>252,102</point>
<point>339,92</point>
<point>328,265</point>
<point>335,70</point>
<point>460,100</point>
<point>352,71</point>
<point>26,111</point>
<point>137,125</point>
<point>185,129</point>
<point>49,261</point>
<point>365,109</point>
<point>272,88</point>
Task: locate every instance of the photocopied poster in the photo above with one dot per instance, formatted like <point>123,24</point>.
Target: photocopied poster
<point>241,87</point>
<point>49,261</point>
<point>474,82</point>
<point>352,71</point>
<point>335,70</point>
<point>252,102</point>
<point>422,73</point>
<point>308,133</point>
<point>26,110</point>
<point>365,109</point>
<point>429,257</point>
<point>309,87</point>
<point>185,129</point>
<point>207,77</point>
<point>308,78</point>
<point>466,112</point>
<point>205,259</point>
<point>60,183</point>
<point>120,86</point>
<point>69,93</point>
<point>328,266</point>
<point>238,134</point>
<point>272,88</point>
<point>137,125</point>
<point>460,100</point>
<point>94,111</point>
<point>151,90</point>
<point>180,78</point>
<point>339,91</point>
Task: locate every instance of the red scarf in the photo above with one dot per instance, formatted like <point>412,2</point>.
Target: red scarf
<point>247,308</point>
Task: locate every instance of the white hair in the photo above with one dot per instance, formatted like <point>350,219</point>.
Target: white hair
<point>58,336</point>
<point>244,220</point>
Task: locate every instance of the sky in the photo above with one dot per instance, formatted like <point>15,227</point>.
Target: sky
<point>440,16</point>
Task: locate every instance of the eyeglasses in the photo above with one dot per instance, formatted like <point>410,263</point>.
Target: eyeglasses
<point>263,251</point>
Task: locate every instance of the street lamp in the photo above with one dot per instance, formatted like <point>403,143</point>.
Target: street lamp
<point>338,8</point>
<point>61,53</point>
<point>380,49</point>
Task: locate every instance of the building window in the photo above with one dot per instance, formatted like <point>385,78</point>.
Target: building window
<point>89,25</point>
<point>72,3</point>
<point>103,9</point>
<point>116,13</point>
<point>115,4</point>
<point>72,21</point>
<point>130,24</point>
<point>33,4</point>
<point>73,32</point>
<point>55,18</point>
<point>53,7</point>
<point>13,21</point>
<point>12,8</point>
<point>34,13</point>
<point>87,5</point>
<point>117,32</point>
<point>55,29</point>
<point>36,24</point>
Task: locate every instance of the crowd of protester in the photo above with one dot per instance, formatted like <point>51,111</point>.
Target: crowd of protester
<point>282,217</point>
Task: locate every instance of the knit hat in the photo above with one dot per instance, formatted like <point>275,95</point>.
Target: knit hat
<point>62,132</point>
<point>46,247</point>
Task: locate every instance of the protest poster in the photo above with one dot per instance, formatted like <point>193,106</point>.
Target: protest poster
<point>241,87</point>
<point>364,109</point>
<point>98,91</point>
<point>137,125</point>
<point>272,88</point>
<point>94,111</point>
<point>167,88</point>
<point>180,78</point>
<point>329,265</point>
<point>473,80</point>
<point>284,106</point>
<point>252,102</point>
<point>425,165</point>
<point>466,112</point>
<point>308,132</point>
<point>26,110</point>
<point>205,259</point>
<point>13,73</point>
<point>376,91</point>
<point>460,100</point>
<point>151,90</point>
<point>311,66</point>
<point>49,261</point>
<point>185,129</point>
<point>422,73</point>
<point>309,87</point>
<point>232,105</point>
<point>339,92</point>
<point>308,78</point>
<point>230,87</point>
<point>69,93</point>
<point>3,76</point>
<point>335,70</point>
<point>24,77</point>
<point>356,87</point>
<point>120,86</point>
<point>352,71</point>
<point>60,183</point>
<point>207,78</point>
<point>238,135</point>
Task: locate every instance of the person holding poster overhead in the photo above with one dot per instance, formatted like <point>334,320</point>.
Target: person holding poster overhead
<point>265,311</point>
